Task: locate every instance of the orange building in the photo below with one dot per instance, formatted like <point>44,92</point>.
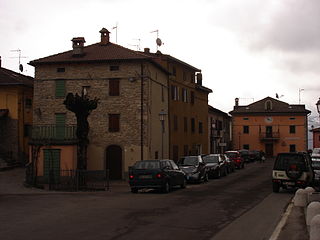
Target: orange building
<point>316,137</point>
<point>270,125</point>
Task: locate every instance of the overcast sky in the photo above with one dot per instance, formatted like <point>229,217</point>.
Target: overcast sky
<point>248,49</point>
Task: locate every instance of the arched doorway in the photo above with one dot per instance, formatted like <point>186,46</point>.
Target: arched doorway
<point>114,161</point>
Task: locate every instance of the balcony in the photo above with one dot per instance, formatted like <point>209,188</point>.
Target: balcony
<point>267,137</point>
<point>54,134</point>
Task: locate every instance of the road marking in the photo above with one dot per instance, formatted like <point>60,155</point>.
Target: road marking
<point>282,222</point>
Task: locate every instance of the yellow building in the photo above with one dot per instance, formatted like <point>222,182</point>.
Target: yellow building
<point>270,125</point>
<point>16,94</point>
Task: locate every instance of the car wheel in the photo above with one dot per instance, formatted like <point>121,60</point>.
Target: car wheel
<point>166,187</point>
<point>184,183</point>
<point>275,187</point>
<point>134,190</point>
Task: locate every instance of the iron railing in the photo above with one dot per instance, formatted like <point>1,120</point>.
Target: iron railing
<point>54,132</point>
<point>266,136</point>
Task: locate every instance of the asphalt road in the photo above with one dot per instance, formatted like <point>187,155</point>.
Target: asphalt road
<point>239,206</point>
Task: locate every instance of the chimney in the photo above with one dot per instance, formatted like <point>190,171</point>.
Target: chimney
<point>77,45</point>
<point>105,38</point>
<point>236,100</point>
<point>199,78</point>
<point>147,50</point>
<point>0,61</point>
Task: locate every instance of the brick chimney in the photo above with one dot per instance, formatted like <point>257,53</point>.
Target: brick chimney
<point>105,38</point>
<point>77,45</point>
<point>199,78</point>
<point>236,102</point>
<point>147,50</point>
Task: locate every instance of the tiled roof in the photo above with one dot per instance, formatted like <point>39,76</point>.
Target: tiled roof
<point>8,77</point>
<point>94,53</point>
<point>215,110</point>
<point>278,107</point>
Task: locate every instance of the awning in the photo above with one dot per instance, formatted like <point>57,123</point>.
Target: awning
<point>4,113</point>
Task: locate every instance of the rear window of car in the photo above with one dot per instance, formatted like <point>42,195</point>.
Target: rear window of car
<point>232,155</point>
<point>211,159</point>
<point>284,161</point>
<point>189,161</point>
<point>316,164</point>
<point>147,165</point>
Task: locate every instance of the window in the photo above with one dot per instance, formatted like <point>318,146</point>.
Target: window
<point>175,122</point>
<point>114,122</point>
<point>245,118</point>
<point>156,155</point>
<point>114,89</point>
<point>245,129</point>
<point>60,88</point>
<point>200,127</point>
<point>246,146</point>
<point>292,148</point>
<point>192,97</point>
<point>292,118</point>
<point>174,92</point>
<point>192,78</point>
<point>27,130</point>
<point>184,95</point>
<point>192,125</point>
<point>61,69</point>
<point>184,76</point>
<point>185,124</point>
<point>28,102</point>
<point>162,94</point>
<point>292,129</point>
<point>268,105</point>
<point>174,71</point>
<point>114,68</point>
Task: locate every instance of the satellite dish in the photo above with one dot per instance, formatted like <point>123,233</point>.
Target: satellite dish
<point>159,42</point>
<point>21,68</point>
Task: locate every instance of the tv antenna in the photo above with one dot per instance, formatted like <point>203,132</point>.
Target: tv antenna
<point>116,28</point>
<point>158,40</point>
<point>20,65</point>
<point>136,45</point>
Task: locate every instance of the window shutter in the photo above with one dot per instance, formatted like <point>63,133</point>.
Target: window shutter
<point>60,88</point>
<point>114,89</point>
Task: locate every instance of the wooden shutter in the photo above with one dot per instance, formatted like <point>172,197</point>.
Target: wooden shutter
<point>114,89</point>
<point>114,122</point>
<point>60,88</point>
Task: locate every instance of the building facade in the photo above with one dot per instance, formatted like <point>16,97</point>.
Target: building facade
<point>16,100</point>
<point>188,107</point>
<point>124,128</point>
<point>316,137</point>
<point>219,131</point>
<point>271,126</point>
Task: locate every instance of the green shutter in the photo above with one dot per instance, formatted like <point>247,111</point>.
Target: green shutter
<point>60,88</point>
<point>60,125</point>
<point>51,164</point>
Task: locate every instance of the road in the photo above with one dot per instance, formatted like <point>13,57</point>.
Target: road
<point>239,206</point>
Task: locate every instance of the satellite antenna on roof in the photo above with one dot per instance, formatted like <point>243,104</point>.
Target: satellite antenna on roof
<point>20,65</point>
<point>158,40</point>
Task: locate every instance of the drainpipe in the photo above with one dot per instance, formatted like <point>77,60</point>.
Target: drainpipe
<point>141,113</point>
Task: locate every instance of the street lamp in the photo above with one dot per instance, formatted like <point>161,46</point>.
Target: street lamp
<point>162,117</point>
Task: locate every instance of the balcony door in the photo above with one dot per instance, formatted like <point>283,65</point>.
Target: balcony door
<point>60,125</point>
<point>114,161</point>
<point>269,131</point>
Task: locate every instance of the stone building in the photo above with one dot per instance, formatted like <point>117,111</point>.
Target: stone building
<point>219,131</point>
<point>270,125</point>
<point>16,97</point>
<point>125,127</point>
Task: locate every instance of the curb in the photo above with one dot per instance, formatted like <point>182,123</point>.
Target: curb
<point>282,222</point>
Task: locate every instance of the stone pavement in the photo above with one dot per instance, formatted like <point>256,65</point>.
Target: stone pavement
<point>292,225</point>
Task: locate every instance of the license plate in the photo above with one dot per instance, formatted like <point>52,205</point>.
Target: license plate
<point>289,183</point>
<point>145,176</point>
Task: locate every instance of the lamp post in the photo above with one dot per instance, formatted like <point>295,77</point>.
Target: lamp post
<point>318,107</point>
<point>162,117</point>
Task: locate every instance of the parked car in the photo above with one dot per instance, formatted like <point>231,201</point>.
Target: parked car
<point>244,154</point>
<point>316,170</point>
<point>292,170</point>
<point>254,155</point>
<point>236,157</point>
<point>194,168</point>
<point>230,164</point>
<point>156,174</point>
<point>216,164</point>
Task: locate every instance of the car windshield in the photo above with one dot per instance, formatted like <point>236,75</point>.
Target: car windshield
<point>284,161</point>
<point>232,155</point>
<point>189,161</point>
<point>147,165</point>
<point>211,159</point>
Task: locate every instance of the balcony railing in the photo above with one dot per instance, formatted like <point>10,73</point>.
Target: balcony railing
<point>266,136</point>
<point>54,133</point>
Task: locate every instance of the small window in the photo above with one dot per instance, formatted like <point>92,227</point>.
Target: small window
<point>114,68</point>
<point>174,71</point>
<point>292,129</point>
<point>184,95</point>
<point>61,70</point>
<point>292,148</point>
<point>193,127</point>
<point>60,88</point>
<point>184,76</point>
<point>114,87</point>
<point>200,127</point>
<point>192,97</point>
<point>28,103</point>
<point>292,118</point>
<point>245,118</point>
<point>246,129</point>
<point>268,105</point>
<point>174,92</point>
<point>114,122</point>
<point>156,155</point>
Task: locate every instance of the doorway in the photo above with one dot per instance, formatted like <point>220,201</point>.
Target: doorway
<point>114,162</point>
<point>269,149</point>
